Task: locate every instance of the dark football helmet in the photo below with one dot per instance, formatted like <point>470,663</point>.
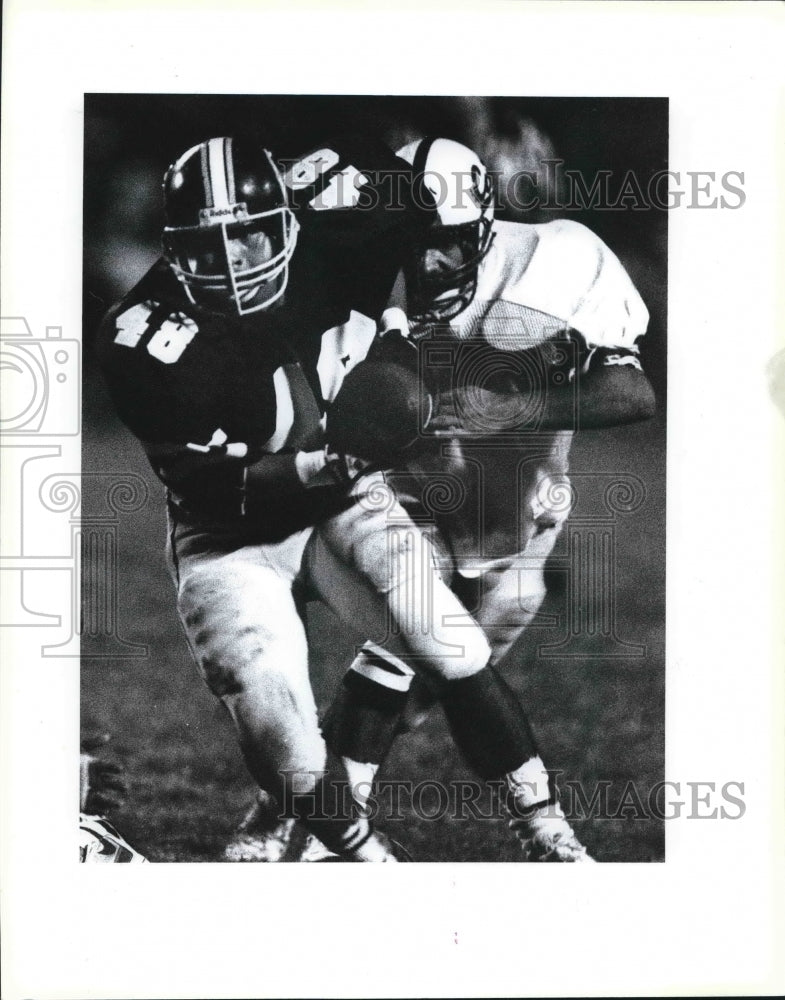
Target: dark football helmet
<point>441,279</point>
<point>229,233</point>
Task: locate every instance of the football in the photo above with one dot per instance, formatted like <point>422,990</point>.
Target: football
<point>380,413</point>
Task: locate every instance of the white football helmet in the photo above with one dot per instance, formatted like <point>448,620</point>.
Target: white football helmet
<point>441,280</point>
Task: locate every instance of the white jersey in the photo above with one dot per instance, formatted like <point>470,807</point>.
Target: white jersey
<point>536,283</point>
<point>539,280</point>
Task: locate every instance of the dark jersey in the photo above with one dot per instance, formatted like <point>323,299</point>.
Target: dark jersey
<point>215,398</point>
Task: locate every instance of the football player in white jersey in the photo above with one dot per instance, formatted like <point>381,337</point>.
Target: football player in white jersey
<point>545,324</point>
<point>526,333</point>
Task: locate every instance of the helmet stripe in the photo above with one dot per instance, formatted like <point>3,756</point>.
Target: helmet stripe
<point>217,168</point>
<point>208,189</point>
<point>229,164</point>
<point>421,156</point>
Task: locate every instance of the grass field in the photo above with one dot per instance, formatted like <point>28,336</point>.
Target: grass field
<point>598,719</point>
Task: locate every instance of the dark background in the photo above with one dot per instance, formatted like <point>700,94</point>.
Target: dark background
<point>598,717</point>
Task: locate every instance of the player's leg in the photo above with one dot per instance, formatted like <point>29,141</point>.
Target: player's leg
<point>378,572</point>
<point>505,600</point>
<point>365,715</point>
<point>508,595</point>
<point>255,661</point>
<point>505,597</point>
<point>237,607</point>
<point>361,724</point>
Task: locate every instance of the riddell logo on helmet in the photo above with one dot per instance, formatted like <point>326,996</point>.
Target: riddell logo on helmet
<point>209,215</point>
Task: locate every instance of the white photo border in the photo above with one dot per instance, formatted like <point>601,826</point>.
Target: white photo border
<point>706,921</point>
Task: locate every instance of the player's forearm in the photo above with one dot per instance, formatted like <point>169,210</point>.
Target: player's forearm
<point>216,484</point>
<point>611,395</point>
<point>602,397</point>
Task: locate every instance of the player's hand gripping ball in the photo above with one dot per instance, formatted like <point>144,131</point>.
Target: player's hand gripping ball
<point>380,414</point>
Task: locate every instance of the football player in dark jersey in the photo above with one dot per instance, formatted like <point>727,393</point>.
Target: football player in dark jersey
<point>222,361</point>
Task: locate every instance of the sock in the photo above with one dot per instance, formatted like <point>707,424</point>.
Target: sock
<point>361,777</point>
<point>529,788</point>
<point>325,804</point>
<point>418,706</point>
<point>352,838</point>
<point>488,724</point>
<point>365,717</point>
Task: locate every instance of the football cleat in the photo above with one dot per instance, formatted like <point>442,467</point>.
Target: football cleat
<point>314,850</point>
<point>379,847</point>
<point>100,843</point>
<point>262,836</point>
<point>548,837</point>
<point>376,847</point>
<point>400,852</point>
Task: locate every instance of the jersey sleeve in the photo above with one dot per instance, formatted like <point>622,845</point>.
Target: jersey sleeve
<point>359,219</point>
<point>610,314</point>
<point>573,276</point>
<point>361,184</point>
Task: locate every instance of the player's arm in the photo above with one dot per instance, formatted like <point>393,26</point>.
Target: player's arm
<point>499,392</point>
<point>605,387</point>
<point>226,478</point>
<point>610,389</point>
<point>587,372</point>
<point>610,385</point>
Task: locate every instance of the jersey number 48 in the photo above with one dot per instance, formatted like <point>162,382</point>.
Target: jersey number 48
<point>170,338</point>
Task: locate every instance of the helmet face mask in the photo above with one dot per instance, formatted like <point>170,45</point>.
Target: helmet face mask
<point>442,274</point>
<point>441,278</point>
<point>229,253</point>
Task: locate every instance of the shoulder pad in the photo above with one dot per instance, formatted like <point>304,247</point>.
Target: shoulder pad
<point>564,270</point>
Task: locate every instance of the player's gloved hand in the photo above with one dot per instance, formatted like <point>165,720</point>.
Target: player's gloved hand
<point>327,466</point>
<point>446,418</point>
<point>345,468</point>
<point>392,343</point>
<point>309,465</point>
<point>102,786</point>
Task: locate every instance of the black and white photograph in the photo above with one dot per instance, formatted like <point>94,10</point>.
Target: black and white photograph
<point>391,428</point>
<point>395,368</point>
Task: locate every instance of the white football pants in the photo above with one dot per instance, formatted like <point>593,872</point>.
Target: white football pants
<point>240,605</point>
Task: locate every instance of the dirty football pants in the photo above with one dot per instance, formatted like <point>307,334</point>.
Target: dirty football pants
<point>239,604</point>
